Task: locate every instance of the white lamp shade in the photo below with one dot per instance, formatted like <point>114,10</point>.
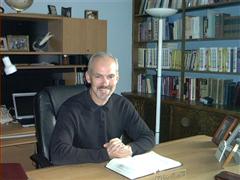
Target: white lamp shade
<point>9,67</point>
<point>161,12</point>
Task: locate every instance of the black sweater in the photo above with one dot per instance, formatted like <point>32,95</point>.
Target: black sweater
<point>83,127</point>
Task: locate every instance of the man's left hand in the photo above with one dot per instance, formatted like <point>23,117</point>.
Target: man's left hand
<point>117,149</point>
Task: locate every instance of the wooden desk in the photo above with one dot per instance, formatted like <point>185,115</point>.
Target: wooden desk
<point>196,153</point>
<point>17,149</point>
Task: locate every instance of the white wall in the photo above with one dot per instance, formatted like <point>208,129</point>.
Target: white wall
<point>118,14</point>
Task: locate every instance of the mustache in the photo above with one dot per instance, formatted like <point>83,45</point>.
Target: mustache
<point>104,87</point>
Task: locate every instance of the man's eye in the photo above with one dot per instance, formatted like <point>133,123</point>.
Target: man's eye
<point>111,76</point>
<point>97,76</point>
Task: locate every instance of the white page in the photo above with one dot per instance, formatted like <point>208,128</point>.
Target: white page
<point>141,165</point>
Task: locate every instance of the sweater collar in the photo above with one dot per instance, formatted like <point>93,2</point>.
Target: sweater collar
<point>92,106</point>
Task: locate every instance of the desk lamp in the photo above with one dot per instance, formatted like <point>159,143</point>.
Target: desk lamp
<point>9,67</point>
<point>160,13</point>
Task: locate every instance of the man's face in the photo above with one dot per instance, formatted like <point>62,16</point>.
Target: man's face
<point>103,79</point>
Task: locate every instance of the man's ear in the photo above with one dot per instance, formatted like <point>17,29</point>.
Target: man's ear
<point>88,77</point>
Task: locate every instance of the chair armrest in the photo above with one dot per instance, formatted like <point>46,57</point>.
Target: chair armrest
<point>40,161</point>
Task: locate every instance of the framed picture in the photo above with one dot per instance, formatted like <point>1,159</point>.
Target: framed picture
<point>18,42</point>
<point>225,129</point>
<point>52,10</point>
<point>90,14</point>
<point>234,137</point>
<point>3,44</point>
<point>229,148</point>
<point>66,11</point>
<point>221,153</point>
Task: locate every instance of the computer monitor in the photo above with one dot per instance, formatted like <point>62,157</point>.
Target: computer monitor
<point>23,105</point>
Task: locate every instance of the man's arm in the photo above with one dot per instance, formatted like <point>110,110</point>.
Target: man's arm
<point>136,128</point>
<point>62,150</point>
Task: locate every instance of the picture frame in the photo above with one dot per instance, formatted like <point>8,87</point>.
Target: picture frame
<point>235,135</point>
<point>3,44</point>
<point>225,129</point>
<point>91,14</point>
<point>229,148</point>
<point>52,10</point>
<point>18,42</point>
<point>66,11</point>
<point>221,153</point>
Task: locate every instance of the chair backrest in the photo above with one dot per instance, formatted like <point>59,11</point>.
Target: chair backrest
<point>47,104</point>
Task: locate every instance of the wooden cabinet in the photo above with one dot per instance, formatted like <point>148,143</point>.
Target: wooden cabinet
<point>14,147</point>
<point>84,36</point>
<point>73,37</point>
<point>146,107</point>
<point>180,118</point>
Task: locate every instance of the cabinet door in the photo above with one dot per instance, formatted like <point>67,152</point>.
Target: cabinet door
<point>96,35</point>
<point>146,108</point>
<point>189,122</point>
<point>84,36</point>
<point>19,154</point>
<point>185,123</point>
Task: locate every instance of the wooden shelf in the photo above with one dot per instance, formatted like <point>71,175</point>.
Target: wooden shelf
<point>212,72</point>
<point>29,16</point>
<point>214,39</point>
<point>15,129</point>
<point>51,66</point>
<point>30,53</point>
<point>186,103</point>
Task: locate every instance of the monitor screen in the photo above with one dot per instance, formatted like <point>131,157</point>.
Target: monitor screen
<point>23,105</point>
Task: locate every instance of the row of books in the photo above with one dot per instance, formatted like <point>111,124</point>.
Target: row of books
<point>223,91</point>
<point>175,4</point>
<point>171,58</point>
<point>148,30</point>
<point>219,59</point>
<point>147,83</point>
<point>194,3</point>
<point>71,78</point>
<point>230,26</point>
<point>146,4</point>
<point>147,57</point>
<point>213,25</point>
<point>213,59</point>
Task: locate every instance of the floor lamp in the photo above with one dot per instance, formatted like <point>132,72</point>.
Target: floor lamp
<point>160,13</point>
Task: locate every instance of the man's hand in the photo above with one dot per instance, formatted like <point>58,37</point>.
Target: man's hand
<point>116,149</point>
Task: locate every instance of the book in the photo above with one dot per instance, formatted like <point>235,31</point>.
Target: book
<point>12,171</point>
<point>142,165</point>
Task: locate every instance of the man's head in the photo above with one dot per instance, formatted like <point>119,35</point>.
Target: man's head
<point>103,76</point>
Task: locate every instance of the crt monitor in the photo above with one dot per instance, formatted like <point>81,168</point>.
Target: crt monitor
<point>23,105</point>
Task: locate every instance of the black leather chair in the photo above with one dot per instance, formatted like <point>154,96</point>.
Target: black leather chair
<point>47,103</point>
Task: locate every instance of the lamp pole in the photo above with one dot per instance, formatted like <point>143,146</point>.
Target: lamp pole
<point>160,13</point>
<point>159,82</point>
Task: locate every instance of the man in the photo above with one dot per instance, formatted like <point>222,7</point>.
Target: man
<point>90,124</point>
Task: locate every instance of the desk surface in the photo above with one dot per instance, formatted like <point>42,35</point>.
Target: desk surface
<point>196,153</point>
<point>16,130</point>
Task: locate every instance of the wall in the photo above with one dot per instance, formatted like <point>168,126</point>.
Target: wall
<point>118,14</point>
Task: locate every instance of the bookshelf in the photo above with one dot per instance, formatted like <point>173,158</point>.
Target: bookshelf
<point>181,45</point>
<point>77,38</point>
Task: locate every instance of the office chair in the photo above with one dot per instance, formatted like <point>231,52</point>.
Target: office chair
<point>47,103</point>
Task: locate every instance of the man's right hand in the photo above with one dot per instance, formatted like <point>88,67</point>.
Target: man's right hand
<point>117,149</point>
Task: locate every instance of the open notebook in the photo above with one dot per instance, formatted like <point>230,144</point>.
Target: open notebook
<point>142,165</point>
